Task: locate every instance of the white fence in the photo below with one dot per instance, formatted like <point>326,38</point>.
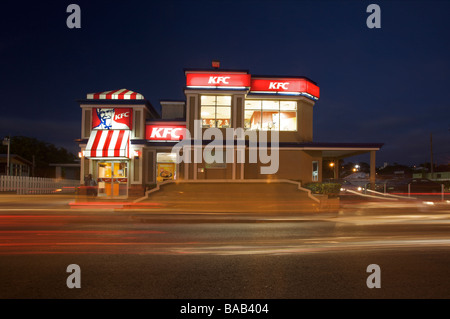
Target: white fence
<point>24,185</point>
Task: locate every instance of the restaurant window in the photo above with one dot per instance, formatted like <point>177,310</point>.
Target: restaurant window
<point>215,111</point>
<point>270,115</point>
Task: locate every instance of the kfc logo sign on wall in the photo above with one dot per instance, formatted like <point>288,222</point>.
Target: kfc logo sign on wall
<point>285,85</point>
<point>165,132</point>
<point>217,79</point>
<point>111,118</point>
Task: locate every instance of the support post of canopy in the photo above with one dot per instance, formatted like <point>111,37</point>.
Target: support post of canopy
<point>372,176</point>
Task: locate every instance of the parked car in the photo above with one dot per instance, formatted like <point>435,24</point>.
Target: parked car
<point>416,185</point>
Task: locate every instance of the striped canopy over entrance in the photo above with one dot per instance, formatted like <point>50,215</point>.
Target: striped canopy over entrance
<point>122,94</point>
<point>108,143</point>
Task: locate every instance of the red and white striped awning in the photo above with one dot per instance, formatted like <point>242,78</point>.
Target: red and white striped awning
<point>108,143</point>
<point>122,94</point>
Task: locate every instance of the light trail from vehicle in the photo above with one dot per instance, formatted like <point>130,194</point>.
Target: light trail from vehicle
<point>95,234</point>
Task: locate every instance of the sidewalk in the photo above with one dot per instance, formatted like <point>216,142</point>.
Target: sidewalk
<point>43,198</point>
<point>230,197</point>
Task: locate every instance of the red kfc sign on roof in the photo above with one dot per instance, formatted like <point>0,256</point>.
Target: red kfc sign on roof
<point>217,80</point>
<point>291,85</point>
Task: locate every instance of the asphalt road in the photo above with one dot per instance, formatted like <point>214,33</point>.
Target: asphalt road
<point>162,255</point>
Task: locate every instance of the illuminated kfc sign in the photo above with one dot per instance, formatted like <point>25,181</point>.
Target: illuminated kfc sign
<point>289,85</point>
<point>111,118</point>
<point>217,80</point>
<point>155,132</point>
<point>258,84</point>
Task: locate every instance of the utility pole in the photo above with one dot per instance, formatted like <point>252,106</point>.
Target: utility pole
<point>431,154</point>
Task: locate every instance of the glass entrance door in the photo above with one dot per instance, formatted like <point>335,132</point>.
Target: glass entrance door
<point>113,179</point>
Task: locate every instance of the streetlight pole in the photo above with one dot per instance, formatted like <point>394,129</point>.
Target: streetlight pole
<point>7,141</point>
<point>431,155</point>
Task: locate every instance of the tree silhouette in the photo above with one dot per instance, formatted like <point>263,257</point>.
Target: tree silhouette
<point>44,153</point>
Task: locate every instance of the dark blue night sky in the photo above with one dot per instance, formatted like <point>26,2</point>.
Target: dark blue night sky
<point>388,85</point>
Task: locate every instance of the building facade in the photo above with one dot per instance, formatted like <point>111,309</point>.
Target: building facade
<point>127,145</point>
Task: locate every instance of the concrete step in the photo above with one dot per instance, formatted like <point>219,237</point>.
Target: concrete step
<point>234,197</point>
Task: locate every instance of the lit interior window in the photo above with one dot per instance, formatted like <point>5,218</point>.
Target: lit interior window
<point>288,116</point>
<point>215,111</point>
<point>252,115</point>
<point>270,115</point>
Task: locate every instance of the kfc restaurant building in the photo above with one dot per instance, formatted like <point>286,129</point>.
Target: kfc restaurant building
<point>127,145</point>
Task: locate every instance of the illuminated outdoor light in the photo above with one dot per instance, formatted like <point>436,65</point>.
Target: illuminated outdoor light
<point>80,154</point>
<point>331,164</point>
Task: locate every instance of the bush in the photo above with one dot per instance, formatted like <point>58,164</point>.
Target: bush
<point>446,185</point>
<point>332,189</point>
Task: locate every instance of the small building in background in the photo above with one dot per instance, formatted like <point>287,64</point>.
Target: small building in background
<point>66,170</point>
<point>436,176</point>
<point>18,166</point>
